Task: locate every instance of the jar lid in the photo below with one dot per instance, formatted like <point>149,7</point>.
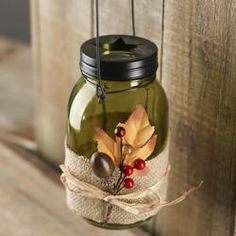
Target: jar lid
<point>123,57</point>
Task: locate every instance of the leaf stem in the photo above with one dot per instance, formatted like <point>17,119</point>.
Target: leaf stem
<point>118,186</point>
<point>120,167</point>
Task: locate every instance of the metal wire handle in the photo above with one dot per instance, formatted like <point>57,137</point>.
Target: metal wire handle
<point>100,90</point>
<point>133,18</point>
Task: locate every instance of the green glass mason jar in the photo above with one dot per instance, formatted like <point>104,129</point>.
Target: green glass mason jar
<point>128,72</point>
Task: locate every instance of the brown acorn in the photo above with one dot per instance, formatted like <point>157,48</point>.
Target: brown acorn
<point>102,164</point>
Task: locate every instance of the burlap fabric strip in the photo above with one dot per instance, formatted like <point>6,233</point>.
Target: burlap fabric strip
<point>89,196</point>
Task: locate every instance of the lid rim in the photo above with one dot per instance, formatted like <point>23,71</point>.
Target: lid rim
<point>116,67</point>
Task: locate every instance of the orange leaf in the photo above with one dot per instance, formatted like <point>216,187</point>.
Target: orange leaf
<point>143,136</point>
<point>106,144</point>
<point>143,152</point>
<point>139,118</point>
<point>130,133</point>
<point>138,134</point>
<point>138,128</point>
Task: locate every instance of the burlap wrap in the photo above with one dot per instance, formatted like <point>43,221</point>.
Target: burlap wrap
<point>89,196</point>
<point>92,207</point>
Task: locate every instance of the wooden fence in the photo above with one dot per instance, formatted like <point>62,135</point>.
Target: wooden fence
<point>197,51</point>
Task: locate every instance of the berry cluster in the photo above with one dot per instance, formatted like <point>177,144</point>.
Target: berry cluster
<point>128,170</point>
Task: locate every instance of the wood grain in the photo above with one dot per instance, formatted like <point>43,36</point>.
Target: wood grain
<point>197,39</point>
<point>199,75</point>
<point>15,94</point>
<point>58,29</point>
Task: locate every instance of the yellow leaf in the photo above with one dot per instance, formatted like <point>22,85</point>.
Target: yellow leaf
<point>138,118</point>
<point>138,134</point>
<point>144,135</point>
<point>130,133</point>
<point>138,128</point>
<point>143,152</point>
<point>106,144</point>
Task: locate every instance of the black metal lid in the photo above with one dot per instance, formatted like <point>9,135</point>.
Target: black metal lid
<point>123,57</point>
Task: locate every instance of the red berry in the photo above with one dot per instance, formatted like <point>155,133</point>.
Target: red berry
<point>129,183</point>
<point>140,164</point>
<point>128,170</point>
<point>119,132</point>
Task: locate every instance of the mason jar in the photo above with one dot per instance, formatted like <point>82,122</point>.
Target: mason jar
<point>128,74</point>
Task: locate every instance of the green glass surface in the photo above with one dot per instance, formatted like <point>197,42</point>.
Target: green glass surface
<point>85,113</point>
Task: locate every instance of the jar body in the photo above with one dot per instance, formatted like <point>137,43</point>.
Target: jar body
<point>85,114</point>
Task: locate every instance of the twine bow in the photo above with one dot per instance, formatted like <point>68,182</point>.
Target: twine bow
<point>150,197</point>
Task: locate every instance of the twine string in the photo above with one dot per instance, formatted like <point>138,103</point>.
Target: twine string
<point>127,202</point>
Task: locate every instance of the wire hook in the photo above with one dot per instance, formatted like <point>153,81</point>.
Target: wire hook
<point>100,90</point>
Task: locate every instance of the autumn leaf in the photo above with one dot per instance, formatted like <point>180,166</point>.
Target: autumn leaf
<point>143,152</point>
<point>107,145</point>
<point>138,128</point>
<point>138,134</point>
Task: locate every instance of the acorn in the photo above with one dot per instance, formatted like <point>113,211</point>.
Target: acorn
<point>102,164</point>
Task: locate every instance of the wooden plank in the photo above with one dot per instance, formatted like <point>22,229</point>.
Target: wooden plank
<point>32,203</point>
<point>15,85</point>
<point>199,75</point>
<point>58,29</point>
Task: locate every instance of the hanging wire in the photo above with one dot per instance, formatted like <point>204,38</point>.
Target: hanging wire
<point>133,18</point>
<point>101,93</point>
